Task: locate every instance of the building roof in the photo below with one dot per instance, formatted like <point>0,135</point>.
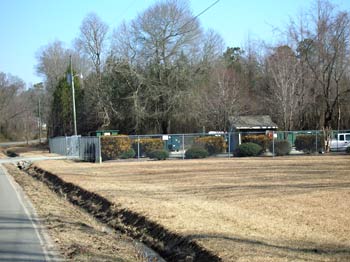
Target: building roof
<point>252,122</point>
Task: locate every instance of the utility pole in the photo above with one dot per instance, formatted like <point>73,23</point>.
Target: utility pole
<point>39,111</point>
<point>39,87</point>
<point>73,97</point>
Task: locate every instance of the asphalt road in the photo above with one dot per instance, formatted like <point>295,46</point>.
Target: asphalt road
<point>32,159</point>
<point>20,238</point>
<point>22,142</point>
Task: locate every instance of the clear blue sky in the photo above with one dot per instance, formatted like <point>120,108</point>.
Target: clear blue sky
<point>27,25</point>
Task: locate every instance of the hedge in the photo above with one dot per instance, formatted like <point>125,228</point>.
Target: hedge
<point>128,154</point>
<point>261,140</point>
<point>213,144</point>
<point>248,149</point>
<point>280,147</point>
<point>196,152</point>
<point>113,147</point>
<point>158,154</point>
<point>307,143</point>
<point>148,145</point>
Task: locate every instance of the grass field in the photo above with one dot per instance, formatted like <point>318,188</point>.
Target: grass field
<point>255,209</point>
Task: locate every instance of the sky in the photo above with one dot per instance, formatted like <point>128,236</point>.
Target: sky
<point>28,25</point>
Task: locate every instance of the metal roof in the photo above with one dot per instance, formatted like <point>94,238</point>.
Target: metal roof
<point>252,122</point>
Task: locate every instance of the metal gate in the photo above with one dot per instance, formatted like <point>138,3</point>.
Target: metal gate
<point>73,145</point>
<point>84,148</point>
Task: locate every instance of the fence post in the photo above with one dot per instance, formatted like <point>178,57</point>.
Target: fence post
<point>99,150</point>
<point>183,146</point>
<point>229,144</point>
<point>138,147</point>
<point>273,143</point>
<point>316,142</point>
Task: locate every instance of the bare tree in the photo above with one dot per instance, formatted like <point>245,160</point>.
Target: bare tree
<point>155,43</point>
<point>53,61</point>
<point>9,88</point>
<point>92,40</point>
<point>327,55</point>
<point>284,68</point>
<point>16,108</point>
<point>321,39</point>
<point>92,43</point>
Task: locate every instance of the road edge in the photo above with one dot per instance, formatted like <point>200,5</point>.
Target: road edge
<point>50,252</point>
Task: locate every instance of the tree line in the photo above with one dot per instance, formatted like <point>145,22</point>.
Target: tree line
<point>162,72</point>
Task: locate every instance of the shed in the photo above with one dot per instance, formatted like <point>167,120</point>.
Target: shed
<point>253,124</point>
<point>257,123</point>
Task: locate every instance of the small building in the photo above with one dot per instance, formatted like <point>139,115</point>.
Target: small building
<point>244,125</point>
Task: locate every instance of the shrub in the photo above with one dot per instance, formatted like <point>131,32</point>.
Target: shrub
<point>281,147</point>
<point>11,153</point>
<point>148,145</point>
<point>196,152</point>
<point>248,149</point>
<point>261,140</point>
<point>213,144</point>
<point>113,146</point>
<point>158,154</point>
<point>128,154</point>
<point>347,150</point>
<point>307,143</point>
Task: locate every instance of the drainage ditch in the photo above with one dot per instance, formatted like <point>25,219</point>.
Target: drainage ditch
<point>171,246</point>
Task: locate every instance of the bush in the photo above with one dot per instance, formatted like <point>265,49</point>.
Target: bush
<point>212,144</point>
<point>261,140</point>
<point>113,147</point>
<point>248,149</point>
<point>347,150</point>
<point>148,145</point>
<point>128,154</point>
<point>282,147</point>
<point>196,152</point>
<point>158,154</point>
<point>11,153</point>
<point>307,143</point>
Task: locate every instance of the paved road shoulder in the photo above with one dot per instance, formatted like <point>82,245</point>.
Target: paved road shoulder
<point>22,237</point>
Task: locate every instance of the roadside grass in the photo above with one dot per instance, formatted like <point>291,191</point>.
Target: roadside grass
<point>254,209</point>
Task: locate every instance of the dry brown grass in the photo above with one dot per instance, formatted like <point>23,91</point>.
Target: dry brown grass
<point>256,209</point>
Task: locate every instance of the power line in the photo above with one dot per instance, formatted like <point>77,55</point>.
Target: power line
<point>217,1</point>
<point>205,10</point>
<point>126,10</point>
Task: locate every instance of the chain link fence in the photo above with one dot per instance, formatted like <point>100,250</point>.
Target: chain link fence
<point>84,148</point>
<point>300,142</point>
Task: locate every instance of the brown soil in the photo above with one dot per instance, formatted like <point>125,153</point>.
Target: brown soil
<point>256,209</point>
<point>77,235</point>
